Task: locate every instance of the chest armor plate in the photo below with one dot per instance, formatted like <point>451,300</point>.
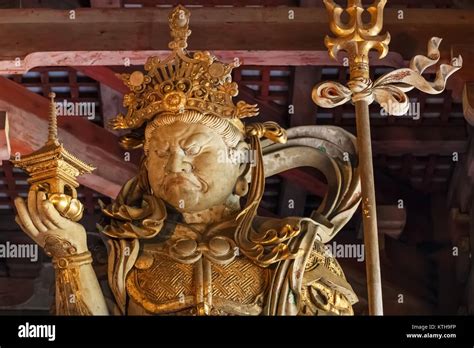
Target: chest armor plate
<point>160,284</point>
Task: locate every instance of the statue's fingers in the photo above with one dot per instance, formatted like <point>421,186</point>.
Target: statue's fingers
<point>34,212</point>
<point>26,231</point>
<point>40,198</point>
<point>53,215</point>
<point>24,218</point>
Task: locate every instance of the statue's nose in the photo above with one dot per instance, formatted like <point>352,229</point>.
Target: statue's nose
<point>177,162</point>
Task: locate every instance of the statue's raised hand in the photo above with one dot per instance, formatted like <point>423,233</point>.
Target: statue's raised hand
<point>40,220</point>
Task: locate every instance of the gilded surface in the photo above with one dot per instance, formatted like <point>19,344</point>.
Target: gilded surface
<point>240,281</point>
<point>167,286</point>
<point>158,286</point>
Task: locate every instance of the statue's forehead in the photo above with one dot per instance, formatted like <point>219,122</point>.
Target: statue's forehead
<point>183,131</point>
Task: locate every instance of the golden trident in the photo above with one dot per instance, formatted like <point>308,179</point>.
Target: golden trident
<point>357,38</point>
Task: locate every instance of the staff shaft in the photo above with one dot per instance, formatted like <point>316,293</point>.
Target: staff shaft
<point>372,258</point>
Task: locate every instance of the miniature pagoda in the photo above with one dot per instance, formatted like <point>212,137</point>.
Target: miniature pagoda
<point>52,168</point>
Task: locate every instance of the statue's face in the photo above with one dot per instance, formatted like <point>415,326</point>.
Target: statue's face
<point>187,167</point>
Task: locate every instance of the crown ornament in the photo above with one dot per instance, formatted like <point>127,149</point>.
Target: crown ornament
<point>181,82</point>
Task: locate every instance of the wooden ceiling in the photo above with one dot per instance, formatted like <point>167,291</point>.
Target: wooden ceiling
<point>216,3</point>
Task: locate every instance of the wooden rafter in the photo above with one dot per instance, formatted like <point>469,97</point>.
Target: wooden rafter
<point>129,57</point>
<point>104,75</point>
<point>269,111</point>
<point>426,140</point>
<point>28,114</point>
<point>243,29</point>
<point>260,34</point>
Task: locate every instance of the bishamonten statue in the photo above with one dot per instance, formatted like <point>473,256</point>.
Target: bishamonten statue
<point>179,239</point>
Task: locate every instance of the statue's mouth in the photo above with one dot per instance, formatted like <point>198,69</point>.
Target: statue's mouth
<point>180,181</point>
<point>183,181</point>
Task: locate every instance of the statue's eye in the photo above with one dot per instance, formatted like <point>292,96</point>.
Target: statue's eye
<point>192,150</point>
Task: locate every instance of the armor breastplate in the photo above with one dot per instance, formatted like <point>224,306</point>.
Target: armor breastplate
<point>192,279</point>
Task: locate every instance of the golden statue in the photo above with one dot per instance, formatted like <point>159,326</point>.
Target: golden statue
<point>178,241</point>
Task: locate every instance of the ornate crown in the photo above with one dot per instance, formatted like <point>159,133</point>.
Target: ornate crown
<point>181,82</point>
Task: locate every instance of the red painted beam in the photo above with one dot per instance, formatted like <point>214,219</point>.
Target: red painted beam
<point>28,119</point>
<point>104,75</point>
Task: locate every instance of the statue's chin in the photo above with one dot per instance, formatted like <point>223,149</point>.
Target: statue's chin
<point>182,199</point>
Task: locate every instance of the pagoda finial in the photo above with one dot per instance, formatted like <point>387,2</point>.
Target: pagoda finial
<point>53,123</point>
